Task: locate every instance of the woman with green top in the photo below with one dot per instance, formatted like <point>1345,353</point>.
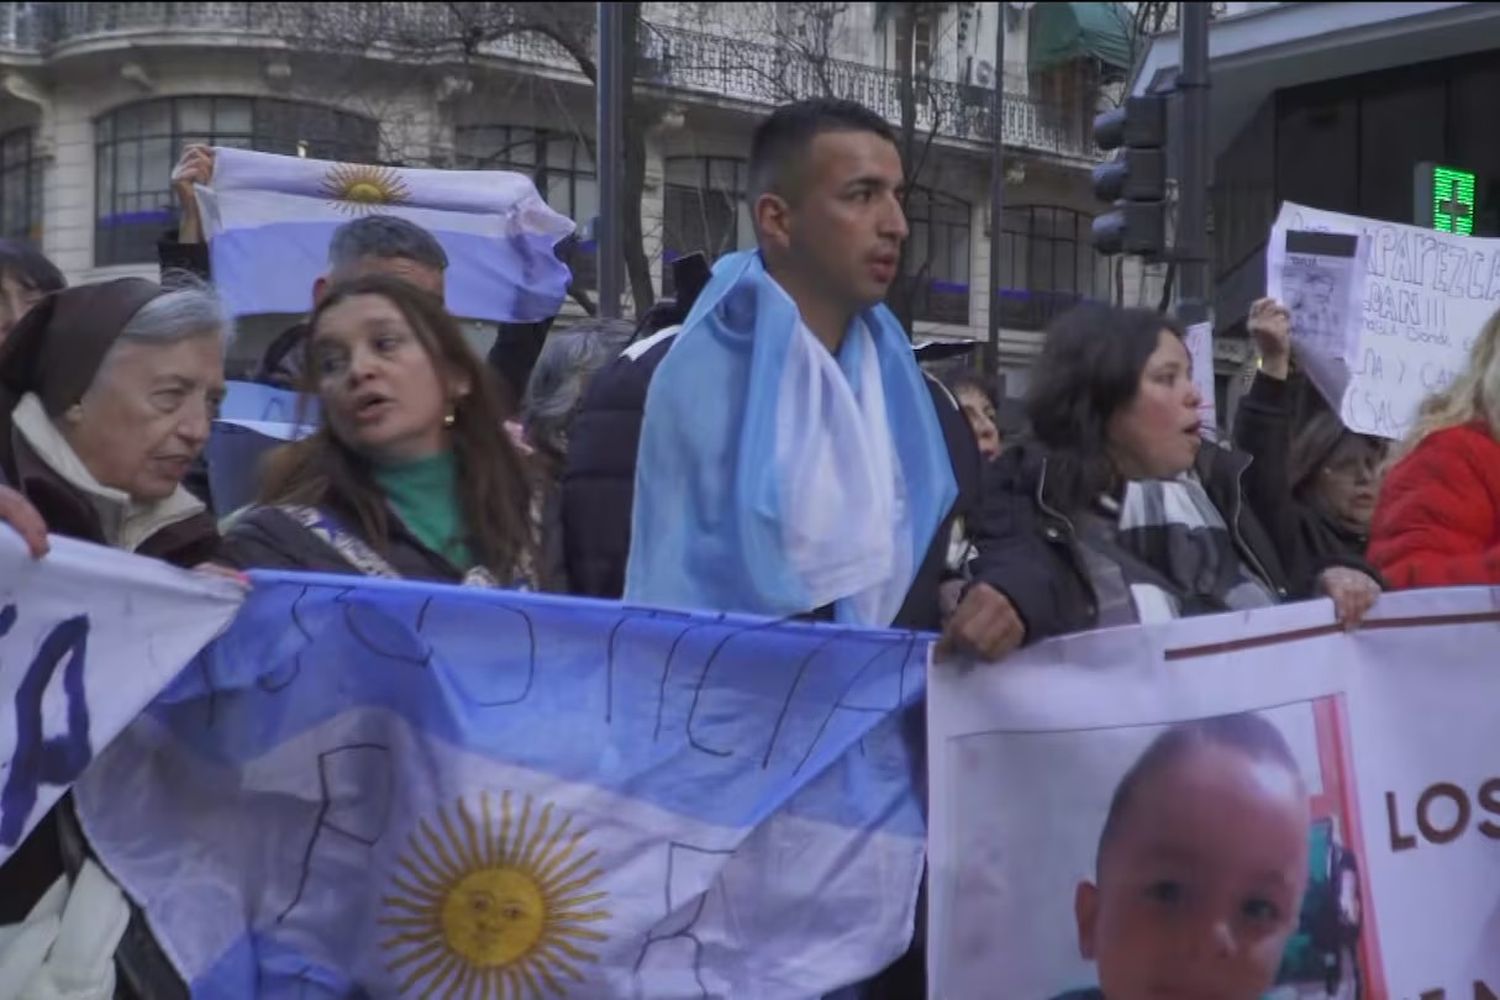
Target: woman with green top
<point>410,475</point>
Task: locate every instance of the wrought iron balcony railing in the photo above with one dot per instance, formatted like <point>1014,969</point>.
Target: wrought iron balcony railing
<point>702,64</point>
<point>715,65</point>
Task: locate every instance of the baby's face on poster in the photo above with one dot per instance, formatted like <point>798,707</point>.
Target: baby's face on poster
<point>1202,883</point>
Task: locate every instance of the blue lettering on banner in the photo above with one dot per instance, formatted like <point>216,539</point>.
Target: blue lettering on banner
<point>38,761</point>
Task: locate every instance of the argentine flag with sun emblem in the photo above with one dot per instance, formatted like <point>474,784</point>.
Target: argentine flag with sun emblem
<point>390,789</point>
<point>269,220</point>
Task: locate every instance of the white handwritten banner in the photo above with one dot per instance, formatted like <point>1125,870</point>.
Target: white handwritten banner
<point>1426,296</point>
<point>1249,805</point>
<point>88,636</point>
<point>398,789</point>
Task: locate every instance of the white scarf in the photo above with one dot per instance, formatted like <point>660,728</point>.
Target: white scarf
<point>847,523</point>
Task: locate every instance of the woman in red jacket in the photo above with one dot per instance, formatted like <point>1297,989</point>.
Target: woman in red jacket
<point>1438,520</point>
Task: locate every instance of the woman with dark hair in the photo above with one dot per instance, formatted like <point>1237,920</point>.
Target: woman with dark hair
<point>1315,488</point>
<point>1116,512</point>
<point>409,475</point>
<point>26,277</point>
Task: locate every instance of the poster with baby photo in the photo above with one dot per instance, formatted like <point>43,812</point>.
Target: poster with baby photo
<point>1249,807</point>
<point>1156,849</point>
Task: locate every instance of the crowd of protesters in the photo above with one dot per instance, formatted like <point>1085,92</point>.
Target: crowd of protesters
<point>767,443</point>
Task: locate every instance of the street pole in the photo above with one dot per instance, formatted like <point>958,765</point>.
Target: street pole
<point>610,93</point>
<point>1194,309</point>
<point>1192,183</point>
<point>991,358</point>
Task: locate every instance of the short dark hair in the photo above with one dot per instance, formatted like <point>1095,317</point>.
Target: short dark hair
<point>29,268</point>
<point>963,380</point>
<point>780,142</point>
<point>384,237</point>
<point>1090,367</point>
<point>1247,733</point>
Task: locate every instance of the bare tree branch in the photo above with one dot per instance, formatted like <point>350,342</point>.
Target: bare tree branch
<point>793,51</point>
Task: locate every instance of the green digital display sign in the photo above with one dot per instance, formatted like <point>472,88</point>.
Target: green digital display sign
<point>1445,199</point>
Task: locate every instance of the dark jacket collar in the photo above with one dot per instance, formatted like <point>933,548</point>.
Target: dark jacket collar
<point>1221,471</point>
<point>69,513</point>
<point>1024,467</point>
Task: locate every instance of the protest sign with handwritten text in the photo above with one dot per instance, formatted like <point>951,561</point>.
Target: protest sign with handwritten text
<point>1427,295</point>
<point>1320,278</point>
<point>88,636</point>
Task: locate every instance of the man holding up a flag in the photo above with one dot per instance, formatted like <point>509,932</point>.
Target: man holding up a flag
<point>484,240</point>
<point>375,244</point>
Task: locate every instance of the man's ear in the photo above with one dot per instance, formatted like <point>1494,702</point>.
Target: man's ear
<point>1086,912</point>
<point>773,219</point>
<point>320,289</point>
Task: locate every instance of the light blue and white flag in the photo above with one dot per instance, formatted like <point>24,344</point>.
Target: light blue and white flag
<point>269,220</point>
<point>253,420</point>
<point>278,413</point>
<point>88,636</point>
<point>394,789</point>
<point>816,479</point>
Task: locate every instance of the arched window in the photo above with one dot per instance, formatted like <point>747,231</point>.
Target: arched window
<point>1048,265</point>
<point>138,144</point>
<point>560,165</point>
<point>937,255</point>
<point>20,186</point>
<point>704,209</point>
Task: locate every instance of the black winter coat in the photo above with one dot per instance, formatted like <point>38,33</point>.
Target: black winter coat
<point>1308,540</point>
<point>267,538</point>
<point>598,489</point>
<point>598,492</point>
<point>1029,551</point>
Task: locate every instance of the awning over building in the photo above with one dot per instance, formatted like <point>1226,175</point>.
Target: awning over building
<point>1062,32</point>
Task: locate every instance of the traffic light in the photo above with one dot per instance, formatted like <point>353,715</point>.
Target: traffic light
<point>1135,181</point>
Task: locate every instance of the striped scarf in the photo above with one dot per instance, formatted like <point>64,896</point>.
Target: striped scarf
<point>1177,555</point>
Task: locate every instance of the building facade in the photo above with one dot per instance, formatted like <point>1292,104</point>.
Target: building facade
<point>1335,105</point>
<point>98,100</point>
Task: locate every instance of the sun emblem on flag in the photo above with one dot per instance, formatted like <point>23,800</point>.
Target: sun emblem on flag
<point>498,911</point>
<point>360,190</point>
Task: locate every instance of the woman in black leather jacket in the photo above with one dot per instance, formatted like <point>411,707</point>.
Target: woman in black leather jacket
<point>1117,511</point>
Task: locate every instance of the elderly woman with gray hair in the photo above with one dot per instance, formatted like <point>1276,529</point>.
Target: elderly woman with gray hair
<point>107,392</point>
<point>569,359</point>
